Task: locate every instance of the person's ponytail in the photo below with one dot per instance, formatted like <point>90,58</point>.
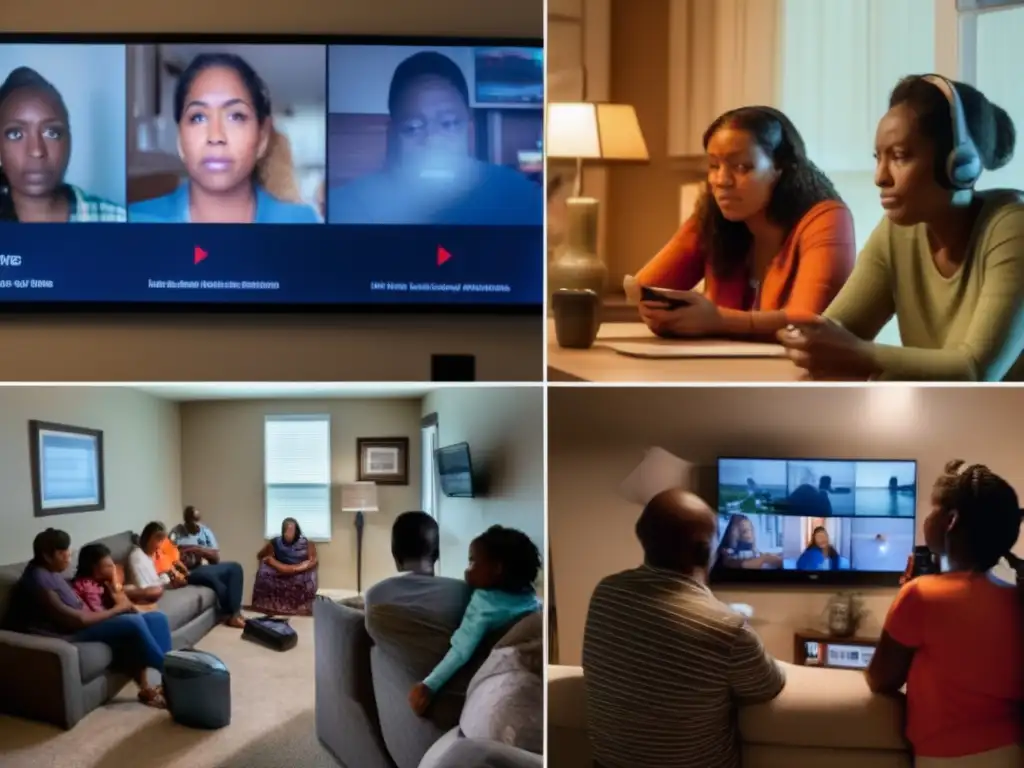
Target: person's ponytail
<point>1004,139</point>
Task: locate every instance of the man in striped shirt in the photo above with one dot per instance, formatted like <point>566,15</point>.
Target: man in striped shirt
<point>665,663</point>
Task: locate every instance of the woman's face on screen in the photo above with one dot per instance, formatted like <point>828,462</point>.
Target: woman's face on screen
<point>432,124</point>
<point>35,143</point>
<point>905,170</point>
<point>741,175</point>
<point>821,539</point>
<point>220,138</point>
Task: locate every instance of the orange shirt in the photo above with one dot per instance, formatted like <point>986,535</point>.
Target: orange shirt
<point>964,691</point>
<point>816,259</point>
<point>166,556</point>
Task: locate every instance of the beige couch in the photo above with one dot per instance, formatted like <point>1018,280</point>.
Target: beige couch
<point>822,717</point>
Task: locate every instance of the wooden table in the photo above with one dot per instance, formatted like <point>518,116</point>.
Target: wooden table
<point>600,364</point>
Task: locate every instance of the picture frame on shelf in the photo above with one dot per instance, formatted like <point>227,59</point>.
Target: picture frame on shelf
<point>383,460</point>
<point>67,468</point>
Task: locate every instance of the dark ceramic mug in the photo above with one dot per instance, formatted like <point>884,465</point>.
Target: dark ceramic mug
<point>577,317</point>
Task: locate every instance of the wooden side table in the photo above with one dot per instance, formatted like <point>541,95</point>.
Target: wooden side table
<point>814,648</point>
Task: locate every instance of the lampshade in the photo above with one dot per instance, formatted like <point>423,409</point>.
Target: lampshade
<point>659,471</point>
<point>584,131</point>
<point>359,497</point>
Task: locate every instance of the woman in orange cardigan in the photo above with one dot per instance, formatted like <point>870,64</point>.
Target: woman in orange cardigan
<point>771,237</point>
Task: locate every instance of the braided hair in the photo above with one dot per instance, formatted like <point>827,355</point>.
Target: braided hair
<point>19,79</point>
<point>800,187</point>
<point>988,514</point>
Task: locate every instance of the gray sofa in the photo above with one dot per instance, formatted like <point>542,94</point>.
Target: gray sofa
<point>363,679</point>
<point>59,682</point>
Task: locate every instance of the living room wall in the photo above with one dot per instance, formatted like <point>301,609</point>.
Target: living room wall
<point>596,437</point>
<point>505,431</point>
<point>222,474</point>
<point>142,450</point>
<point>260,347</point>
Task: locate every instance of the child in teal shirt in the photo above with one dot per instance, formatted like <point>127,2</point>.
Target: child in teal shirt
<point>503,566</point>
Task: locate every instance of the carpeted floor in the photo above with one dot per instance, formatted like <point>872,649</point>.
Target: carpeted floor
<point>272,723</point>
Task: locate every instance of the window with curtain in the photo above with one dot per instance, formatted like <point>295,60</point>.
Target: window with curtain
<point>429,444</point>
<point>297,474</point>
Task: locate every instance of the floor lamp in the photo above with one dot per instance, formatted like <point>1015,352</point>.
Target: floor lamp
<point>360,498</point>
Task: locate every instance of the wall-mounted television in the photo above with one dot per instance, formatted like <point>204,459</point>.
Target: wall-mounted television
<point>455,471</point>
<point>824,521</point>
<point>264,172</point>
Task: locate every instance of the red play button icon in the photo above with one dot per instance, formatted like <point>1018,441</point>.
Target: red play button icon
<point>199,254</point>
<point>442,255</point>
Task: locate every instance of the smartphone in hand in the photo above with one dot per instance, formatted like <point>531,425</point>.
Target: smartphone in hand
<point>671,298</point>
<point>923,562</point>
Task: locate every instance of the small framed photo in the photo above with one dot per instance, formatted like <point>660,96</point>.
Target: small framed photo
<point>67,468</point>
<point>383,460</point>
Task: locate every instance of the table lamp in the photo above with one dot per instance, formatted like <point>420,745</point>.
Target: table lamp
<point>360,498</point>
<point>583,131</point>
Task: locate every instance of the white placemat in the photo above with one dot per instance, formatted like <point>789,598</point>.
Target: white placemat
<point>695,349</point>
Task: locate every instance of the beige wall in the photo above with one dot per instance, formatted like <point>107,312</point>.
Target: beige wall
<point>269,348</point>
<point>505,431</point>
<point>222,474</point>
<point>142,472</point>
<point>643,200</point>
<point>597,436</point>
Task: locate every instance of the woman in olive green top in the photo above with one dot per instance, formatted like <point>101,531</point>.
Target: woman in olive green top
<point>946,260</point>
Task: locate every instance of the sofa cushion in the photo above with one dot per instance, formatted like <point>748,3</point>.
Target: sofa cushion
<point>505,700</point>
<point>184,604</point>
<point>93,659</point>
<point>825,708</point>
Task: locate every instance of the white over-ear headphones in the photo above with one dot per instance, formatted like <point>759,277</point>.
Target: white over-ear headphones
<point>963,166</point>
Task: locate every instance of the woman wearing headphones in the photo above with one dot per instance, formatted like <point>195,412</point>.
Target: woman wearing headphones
<point>946,260</point>
<point>771,238</point>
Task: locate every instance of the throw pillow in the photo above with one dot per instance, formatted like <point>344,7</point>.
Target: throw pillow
<point>505,699</point>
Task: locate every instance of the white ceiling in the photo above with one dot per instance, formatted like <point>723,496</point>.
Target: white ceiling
<point>263,391</point>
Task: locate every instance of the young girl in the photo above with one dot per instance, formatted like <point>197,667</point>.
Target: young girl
<point>95,585</point>
<point>503,566</point>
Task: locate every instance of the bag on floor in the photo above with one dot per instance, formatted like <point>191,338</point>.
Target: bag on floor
<point>271,632</point>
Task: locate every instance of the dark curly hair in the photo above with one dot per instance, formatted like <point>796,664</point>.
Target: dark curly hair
<point>800,187</point>
<point>990,126</point>
<point>516,553</point>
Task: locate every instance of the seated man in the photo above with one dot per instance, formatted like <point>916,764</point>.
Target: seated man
<point>200,554</point>
<point>415,546</point>
<point>665,662</point>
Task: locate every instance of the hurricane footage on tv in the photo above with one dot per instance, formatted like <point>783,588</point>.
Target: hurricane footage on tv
<point>816,515</point>
<point>379,172</point>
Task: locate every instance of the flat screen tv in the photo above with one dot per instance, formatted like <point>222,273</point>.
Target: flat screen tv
<point>267,172</point>
<point>455,470</point>
<point>826,521</point>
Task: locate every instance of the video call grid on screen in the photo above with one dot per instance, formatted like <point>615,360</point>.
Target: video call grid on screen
<point>800,517</point>
<point>416,166</point>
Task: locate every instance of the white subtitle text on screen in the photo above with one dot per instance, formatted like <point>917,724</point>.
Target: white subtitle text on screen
<point>430,287</point>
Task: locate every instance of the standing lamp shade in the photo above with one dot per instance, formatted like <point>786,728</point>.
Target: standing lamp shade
<point>601,133</point>
<point>360,498</point>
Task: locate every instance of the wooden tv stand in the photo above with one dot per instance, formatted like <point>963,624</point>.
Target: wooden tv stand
<point>833,652</point>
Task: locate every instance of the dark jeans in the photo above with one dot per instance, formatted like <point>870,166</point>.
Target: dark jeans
<point>225,579</point>
<point>145,634</point>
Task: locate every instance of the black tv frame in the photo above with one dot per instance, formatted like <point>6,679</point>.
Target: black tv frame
<point>727,577</point>
<point>48,308</point>
<point>469,460</point>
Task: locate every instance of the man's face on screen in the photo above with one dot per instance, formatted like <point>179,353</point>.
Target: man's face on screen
<point>35,143</point>
<point>220,137</point>
<point>432,125</point>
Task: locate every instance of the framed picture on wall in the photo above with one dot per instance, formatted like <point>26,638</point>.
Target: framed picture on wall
<point>383,460</point>
<point>67,468</point>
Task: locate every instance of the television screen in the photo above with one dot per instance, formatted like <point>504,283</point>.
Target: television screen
<point>220,171</point>
<point>834,521</point>
<point>455,470</point>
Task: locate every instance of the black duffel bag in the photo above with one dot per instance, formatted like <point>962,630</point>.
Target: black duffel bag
<point>272,632</point>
